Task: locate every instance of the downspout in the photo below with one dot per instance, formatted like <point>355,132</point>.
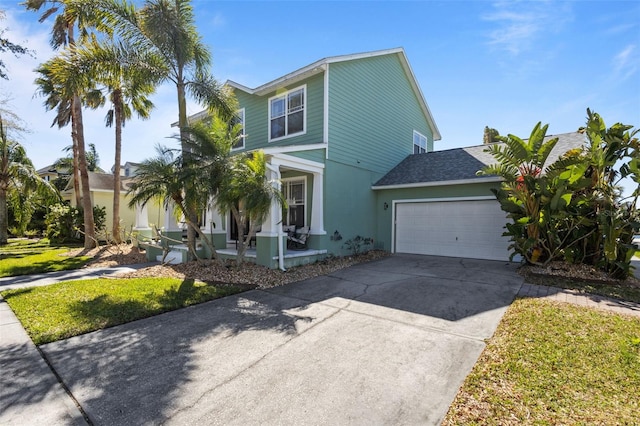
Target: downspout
<point>278,176</point>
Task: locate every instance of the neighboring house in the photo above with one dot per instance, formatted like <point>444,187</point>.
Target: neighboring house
<point>351,140</point>
<point>128,169</point>
<point>51,173</point>
<point>101,192</point>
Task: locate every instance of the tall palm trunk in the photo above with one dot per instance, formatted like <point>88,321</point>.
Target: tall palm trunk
<point>75,171</point>
<point>191,212</point>
<point>4,219</point>
<point>89,225</point>
<point>117,106</point>
<point>78,128</point>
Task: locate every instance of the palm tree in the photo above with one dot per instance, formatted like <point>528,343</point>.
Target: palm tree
<point>17,173</point>
<point>72,12</point>
<point>248,194</point>
<point>164,177</point>
<point>54,100</point>
<point>166,28</point>
<point>128,77</point>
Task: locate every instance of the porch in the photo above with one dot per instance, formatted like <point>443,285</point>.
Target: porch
<point>269,249</point>
<point>291,258</point>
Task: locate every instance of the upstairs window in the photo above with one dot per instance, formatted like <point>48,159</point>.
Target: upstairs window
<point>419,143</point>
<point>287,114</point>
<point>239,119</point>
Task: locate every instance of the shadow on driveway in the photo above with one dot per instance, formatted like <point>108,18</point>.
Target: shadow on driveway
<point>385,342</point>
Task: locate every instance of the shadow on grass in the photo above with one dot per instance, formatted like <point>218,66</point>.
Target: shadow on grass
<point>60,263</point>
<point>104,311</point>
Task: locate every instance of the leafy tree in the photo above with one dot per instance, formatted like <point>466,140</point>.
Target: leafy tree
<point>93,160</point>
<point>166,28</point>
<point>18,178</point>
<point>490,135</point>
<point>7,46</point>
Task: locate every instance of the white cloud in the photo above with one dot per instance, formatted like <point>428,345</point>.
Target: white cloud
<point>518,25</point>
<point>626,62</point>
<point>218,20</point>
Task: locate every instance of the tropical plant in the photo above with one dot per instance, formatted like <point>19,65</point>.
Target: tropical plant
<point>166,28</point>
<point>520,164</point>
<point>165,177</point>
<point>248,194</point>
<point>18,178</point>
<point>574,209</point>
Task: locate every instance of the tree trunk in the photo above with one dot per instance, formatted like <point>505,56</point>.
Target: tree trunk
<point>89,226</point>
<point>183,122</point>
<point>76,175</point>
<point>117,103</point>
<point>4,217</point>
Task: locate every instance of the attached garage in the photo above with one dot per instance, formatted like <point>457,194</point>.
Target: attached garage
<point>469,228</point>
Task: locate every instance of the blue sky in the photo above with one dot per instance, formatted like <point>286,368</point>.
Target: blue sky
<point>505,64</point>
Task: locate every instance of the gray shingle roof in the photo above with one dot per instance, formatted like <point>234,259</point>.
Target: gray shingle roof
<point>459,163</point>
<point>103,182</point>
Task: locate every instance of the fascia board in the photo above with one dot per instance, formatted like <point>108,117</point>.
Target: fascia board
<point>438,183</point>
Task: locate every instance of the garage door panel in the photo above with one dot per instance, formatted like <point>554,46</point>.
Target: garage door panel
<point>452,228</point>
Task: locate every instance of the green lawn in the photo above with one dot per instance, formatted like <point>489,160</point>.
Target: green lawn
<point>551,363</point>
<point>23,257</point>
<point>71,308</point>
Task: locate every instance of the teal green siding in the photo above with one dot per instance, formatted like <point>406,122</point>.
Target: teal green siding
<point>317,155</point>
<point>384,217</point>
<point>349,206</point>
<point>257,115</point>
<point>372,113</point>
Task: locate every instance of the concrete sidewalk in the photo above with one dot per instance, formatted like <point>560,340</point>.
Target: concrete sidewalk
<point>24,281</point>
<point>30,393</point>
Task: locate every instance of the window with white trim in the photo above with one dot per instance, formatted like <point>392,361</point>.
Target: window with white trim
<point>239,119</point>
<point>419,143</point>
<point>287,114</point>
<point>295,192</point>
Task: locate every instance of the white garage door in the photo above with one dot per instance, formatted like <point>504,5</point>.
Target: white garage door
<point>452,228</point>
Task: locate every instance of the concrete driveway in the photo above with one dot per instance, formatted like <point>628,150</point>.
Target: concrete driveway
<point>388,342</point>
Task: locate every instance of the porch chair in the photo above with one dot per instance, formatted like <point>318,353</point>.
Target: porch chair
<point>298,241</point>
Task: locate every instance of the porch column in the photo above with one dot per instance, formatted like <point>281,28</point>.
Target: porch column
<point>142,217</point>
<point>215,226</point>
<point>142,223</point>
<point>317,208</point>
<point>269,241</point>
<point>170,223</point>
<point>273,219</point>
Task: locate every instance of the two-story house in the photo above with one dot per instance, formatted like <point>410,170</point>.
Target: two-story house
<point>330,130</point>
<point>350,138</point>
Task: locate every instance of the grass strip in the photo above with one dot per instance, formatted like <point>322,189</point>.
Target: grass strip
<point>552,363</point>
<point>67,309</point>
<point>24,257</point>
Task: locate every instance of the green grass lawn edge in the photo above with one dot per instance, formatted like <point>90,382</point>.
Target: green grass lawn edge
<point>554,363</point>
<point>25,257</point>
<point>67,309</point>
